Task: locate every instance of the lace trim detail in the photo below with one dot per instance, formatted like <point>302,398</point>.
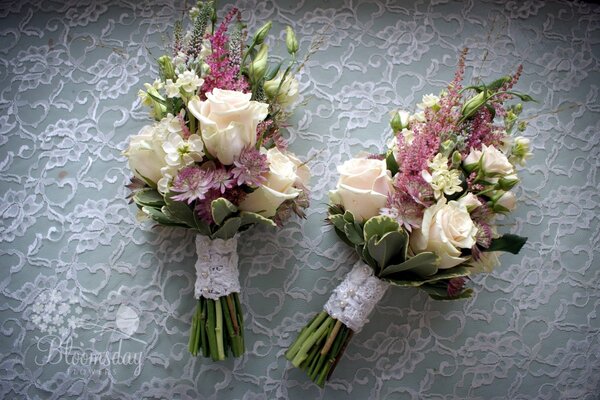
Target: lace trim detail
<point>217,273</point>
<point>354,299</point>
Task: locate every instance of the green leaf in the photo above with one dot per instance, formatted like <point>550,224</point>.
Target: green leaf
<point>149,197</point>
<point>363,252</point>
<point>354,233</point>
<point>338,221</point>
<point>159,217</point>
<point>416,281</point>
<point>178,211</point>
<point>422,264</point>
<point>342,235</point>
<point>349,217</point>
<point>523,96</point>
<point>391,163</point>
<point>379,226</point>
<point>390,248</point>
<point>228,229</point>
<point>438,292</point>
<point>509,243</point>
<point>249,218</point>
<point>221,209</point>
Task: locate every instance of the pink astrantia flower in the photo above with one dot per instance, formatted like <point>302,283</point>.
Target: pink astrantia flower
<point>193,183</point>
<point>222,180</point>
<point>250,167</point>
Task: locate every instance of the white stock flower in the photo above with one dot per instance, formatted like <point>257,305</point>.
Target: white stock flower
<point>189,81</point>
<point>172,89</point>
<point>180,152</point>
<point>363,187</point>
<point>445,229</point>
<point>442,180</point>
<point>228,120</point>
<point>285,173</point>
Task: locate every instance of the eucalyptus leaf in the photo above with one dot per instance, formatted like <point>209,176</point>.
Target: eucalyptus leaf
<point>228,229</point>
<point>379,226</point>
<point>221,209</point>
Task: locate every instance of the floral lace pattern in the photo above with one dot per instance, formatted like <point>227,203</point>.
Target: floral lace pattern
<point>356,297</point>
<point>69,76</point>
<point>217,271</point>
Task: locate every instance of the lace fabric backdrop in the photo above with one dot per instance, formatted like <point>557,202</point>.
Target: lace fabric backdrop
<point>97,305</point>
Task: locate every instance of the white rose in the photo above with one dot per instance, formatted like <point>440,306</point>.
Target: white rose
<point>445,229</point>
<point>363,187</point>
<point>146,155</point>
<point>288,92</point>
<point>494,161</point>
<point>228,121</point>
<point>285,173</point>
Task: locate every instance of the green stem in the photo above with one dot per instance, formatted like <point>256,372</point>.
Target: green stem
<point>193,334</point>
<point>219,330</point>
<point>210,330</point>
<point>202,327</point>
<point>312,339</point>
<point>305,333</point>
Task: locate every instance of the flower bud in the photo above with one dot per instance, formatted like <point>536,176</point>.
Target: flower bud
<point>400,121</point>
<point>166,67</point>
<point>504,202</point>
<point>456,159</point>
<point>518,108</point>
<point>262,33</point>
<point>446,147</point>
<point>473,104</point>
<point>522,126</point>
<point>507,182</point>
<point>290,40</point>
<point>258,68</point>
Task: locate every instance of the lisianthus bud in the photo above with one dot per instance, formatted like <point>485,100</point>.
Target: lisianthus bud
<point>400,121</point>
<point>456,159</point>
<point>507,182</point>
<point>473,104</point>
<point>166,67</point>
<point>520,150</point>
<point>262,33</point>
<point>518,108</point>
<point>258,68</point>
<point>290,40</point>
<point>504,202</point>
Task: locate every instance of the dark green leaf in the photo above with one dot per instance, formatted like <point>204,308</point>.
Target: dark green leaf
<point>354,233</point>
<point>422,264</point>
<point>389,249</point>
<point>342,235</point>
<point>178,211</point>
<point>440,292</point>
<point>363,252</point>
<point>221,209</point>
<point>391,163</point>
<point>349,217</point>
<point>411,280</point>
<point>523,96</point>
<point>338,221</point>
<point>509,243</point>
<point>228,229</point>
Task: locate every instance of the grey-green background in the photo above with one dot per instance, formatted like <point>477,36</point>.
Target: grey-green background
<point>74,259</point>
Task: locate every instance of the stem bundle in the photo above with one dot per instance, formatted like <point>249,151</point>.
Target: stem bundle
<point>319,347</point>
<point>217,328</point>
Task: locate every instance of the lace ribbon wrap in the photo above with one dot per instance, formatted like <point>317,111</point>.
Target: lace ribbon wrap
<point>217,273</point>
<point>354,299</point>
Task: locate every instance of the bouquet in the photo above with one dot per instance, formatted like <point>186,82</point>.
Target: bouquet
<point>214,160</point>
<point>424,213</point>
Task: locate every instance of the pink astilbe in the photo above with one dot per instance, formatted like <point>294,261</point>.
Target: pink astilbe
<point>482,131</point>
<point>193,183</point>
<point>250,168</point>
<point>224,74</point>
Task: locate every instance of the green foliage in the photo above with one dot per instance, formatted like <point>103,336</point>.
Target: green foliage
<point>422,264</point>
<point>221,209</point>
<point>149,197</point>
<point>509,243</point>
<point>439,291</point>
<point>391,163</point>
<point>228,229</point>
<point>412,280</point>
